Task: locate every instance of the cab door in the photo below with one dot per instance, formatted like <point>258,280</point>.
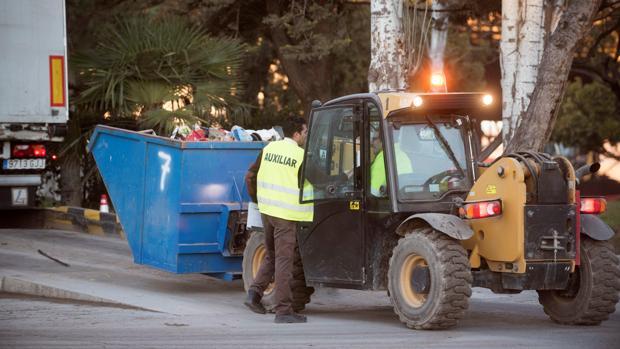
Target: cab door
<point>332,245</point>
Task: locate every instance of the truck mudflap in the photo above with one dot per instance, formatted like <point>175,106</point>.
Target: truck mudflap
<point>594,227</point>
<point>448,224</point>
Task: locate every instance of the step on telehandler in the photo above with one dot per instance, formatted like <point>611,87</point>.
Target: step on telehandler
<point>406,204</point>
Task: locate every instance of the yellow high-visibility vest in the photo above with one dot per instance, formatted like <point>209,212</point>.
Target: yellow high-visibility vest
<point>377,170</point>
<point>277,186</point>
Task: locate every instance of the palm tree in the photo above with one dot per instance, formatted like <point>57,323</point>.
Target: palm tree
<point>150,73</point>
<point>161,71</point>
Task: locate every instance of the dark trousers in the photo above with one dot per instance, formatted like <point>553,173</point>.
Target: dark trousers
<point>280,243</point>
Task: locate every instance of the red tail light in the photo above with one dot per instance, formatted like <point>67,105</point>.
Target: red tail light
<point>29,151</point>
<point>38,150</point>
<point>481,209</point>
<point>593,205</point>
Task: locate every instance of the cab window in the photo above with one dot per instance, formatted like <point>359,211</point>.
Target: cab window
<point>378,182</point>
<point>331,154</point>
<point>430,160</point>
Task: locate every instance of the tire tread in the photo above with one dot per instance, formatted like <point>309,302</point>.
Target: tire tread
<point>457,280</point>
<point>606,285</point>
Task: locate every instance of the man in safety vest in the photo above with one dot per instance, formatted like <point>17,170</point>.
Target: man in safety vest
<point>377,167</point>
<point>277,193</point>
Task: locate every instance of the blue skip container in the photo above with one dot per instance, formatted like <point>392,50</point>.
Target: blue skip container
<point>182,205</point>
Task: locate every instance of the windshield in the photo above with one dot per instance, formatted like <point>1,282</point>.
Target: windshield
<point>430,160</point>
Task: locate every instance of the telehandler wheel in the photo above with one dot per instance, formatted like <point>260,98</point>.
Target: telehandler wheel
<point>253,256</point>
<point>429,280</point>
<point>592,293</point>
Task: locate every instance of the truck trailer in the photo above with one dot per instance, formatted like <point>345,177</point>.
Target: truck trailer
<point>33,95</point>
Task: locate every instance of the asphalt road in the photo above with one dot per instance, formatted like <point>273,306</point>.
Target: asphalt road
<point>197,311</point>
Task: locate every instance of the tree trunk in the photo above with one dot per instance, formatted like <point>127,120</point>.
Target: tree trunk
<point>537,122</point>
<point>71,183</point>
<point>523,43</point>
<point>388,60</point>
<point>509,57</point>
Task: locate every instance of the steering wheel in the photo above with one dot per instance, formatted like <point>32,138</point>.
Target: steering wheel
<point>443,176</point>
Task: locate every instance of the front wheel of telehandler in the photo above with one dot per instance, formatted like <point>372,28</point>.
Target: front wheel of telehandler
<point>429,280</point>
<point>592,291</point>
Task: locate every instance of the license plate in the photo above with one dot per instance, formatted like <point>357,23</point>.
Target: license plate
<point>23,164</point>
<point>19,196</point>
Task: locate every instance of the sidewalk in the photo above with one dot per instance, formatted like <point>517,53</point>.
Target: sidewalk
<point>101,270</point>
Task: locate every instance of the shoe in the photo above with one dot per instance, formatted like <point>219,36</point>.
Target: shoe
<point>253,302</point>
<point>292,318</point>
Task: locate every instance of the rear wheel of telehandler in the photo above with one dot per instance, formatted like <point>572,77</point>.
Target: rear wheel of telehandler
<point>253,256</point>
<point>593,289</point>
<point>429,280</point>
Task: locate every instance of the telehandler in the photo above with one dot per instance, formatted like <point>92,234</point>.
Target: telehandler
<point>410,207</point>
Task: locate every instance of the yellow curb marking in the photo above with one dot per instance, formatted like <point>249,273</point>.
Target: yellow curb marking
<point>95,230</point>
<point>92,215</point>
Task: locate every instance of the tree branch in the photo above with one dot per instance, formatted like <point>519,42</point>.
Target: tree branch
<point>607,9</point>
<point>307,88</point>
<point>601,73</point>
<point>602,36</point>
<point>611,155</point>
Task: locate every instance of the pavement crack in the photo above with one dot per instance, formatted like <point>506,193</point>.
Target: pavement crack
<point>175,324</point>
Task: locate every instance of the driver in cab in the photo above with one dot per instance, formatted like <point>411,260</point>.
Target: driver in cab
<point>378,183</point>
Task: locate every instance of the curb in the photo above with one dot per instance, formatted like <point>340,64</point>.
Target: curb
<point>29,288</point>
<point>19,286</point>
<point>83,220</point>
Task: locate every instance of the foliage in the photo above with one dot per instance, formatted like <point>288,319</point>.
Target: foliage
<point>162,70</point>
<point>465,64</point>
<point>587,117</point>
<point>308,27</point>
<point>313,35</point>
<point>612,215</point>
<point>612,218</point>
<point>598,57</point>
<point>350,74</point>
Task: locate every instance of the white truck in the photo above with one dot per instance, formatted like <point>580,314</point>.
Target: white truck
<point>33,95</point>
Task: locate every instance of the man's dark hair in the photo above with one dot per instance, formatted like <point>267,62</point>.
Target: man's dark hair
<point>293,124</point>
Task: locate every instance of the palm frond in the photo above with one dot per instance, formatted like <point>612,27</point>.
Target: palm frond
<point>164,121</point>
<point>149,93</point>
<point>141,63</point>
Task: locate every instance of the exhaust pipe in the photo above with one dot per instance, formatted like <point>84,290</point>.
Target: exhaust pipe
<point>587,169</point>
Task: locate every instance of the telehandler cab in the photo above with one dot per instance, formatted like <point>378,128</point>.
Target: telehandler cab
<point>408,206</point>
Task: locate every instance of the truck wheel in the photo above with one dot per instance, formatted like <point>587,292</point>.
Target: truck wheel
<point>253,256</point>
<point>593,289</point>
<point>429,280</point>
